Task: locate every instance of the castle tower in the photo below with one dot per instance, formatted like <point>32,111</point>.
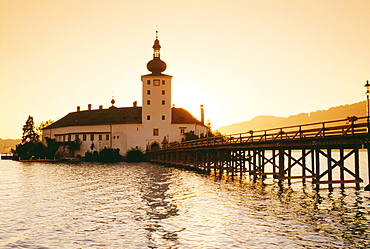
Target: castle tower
<point>156,95</point>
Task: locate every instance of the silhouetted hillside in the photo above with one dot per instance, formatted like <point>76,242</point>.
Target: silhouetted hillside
<point>266,122</point>
<point>5,144</point>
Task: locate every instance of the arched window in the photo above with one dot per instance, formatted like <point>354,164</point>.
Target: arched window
<point>154,146</point>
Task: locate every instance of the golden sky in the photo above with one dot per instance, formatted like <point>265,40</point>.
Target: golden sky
<point>239,58</point>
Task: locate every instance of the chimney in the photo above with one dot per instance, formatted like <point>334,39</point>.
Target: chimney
<point>89,107</point>
<point>100,107</point>
<point>78,108</point>
<point>135,103</point>
<point>202,114</point>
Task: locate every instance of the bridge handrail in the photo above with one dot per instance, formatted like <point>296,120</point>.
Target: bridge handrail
<point>343,127</point>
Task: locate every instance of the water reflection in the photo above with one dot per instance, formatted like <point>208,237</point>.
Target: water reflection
<point>154,189</point>
<point>152,206</point>
<point>340,217</point>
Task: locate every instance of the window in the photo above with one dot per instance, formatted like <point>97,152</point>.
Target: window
<point>107,137</point>
<point>77,137</point>
<point>148,82</point>
<point>163,82</point>
<point>100,137</point>
<point>163,102</point>
<point>156,82</point>
<point>148,117</point>
<point>148,92</point>
<point>69,138</point>
<point>163,117</point>
<point>148,102</point>
<point>114,137</point>
<point>163,92</point>
<point>117,137</point>
<point>84,137</point>
<point>182,130</point>
<point>155,132</point>
<point>91,137</point>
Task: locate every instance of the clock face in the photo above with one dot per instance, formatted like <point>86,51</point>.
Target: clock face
<point>156,82</point>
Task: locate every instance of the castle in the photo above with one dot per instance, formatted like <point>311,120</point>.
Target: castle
<point>151,126</point>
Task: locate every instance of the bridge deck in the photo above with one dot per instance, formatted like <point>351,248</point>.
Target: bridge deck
<point>269,152</point>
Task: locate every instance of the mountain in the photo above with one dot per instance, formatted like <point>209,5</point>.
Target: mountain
<point>5,144</point>
<point>267,122</point>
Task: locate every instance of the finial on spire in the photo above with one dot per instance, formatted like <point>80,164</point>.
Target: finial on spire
<point>113,101</point>
<point>156,31</point>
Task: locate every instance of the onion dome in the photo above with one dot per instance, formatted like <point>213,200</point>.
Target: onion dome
<point>156,66</point>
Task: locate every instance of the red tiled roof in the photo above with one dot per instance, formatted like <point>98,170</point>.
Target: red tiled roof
<point>114,115</point>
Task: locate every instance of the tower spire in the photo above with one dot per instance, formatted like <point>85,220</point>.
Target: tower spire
<point>156,47</point>
<point>156,66</point>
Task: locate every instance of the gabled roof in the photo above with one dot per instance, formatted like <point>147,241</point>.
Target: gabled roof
<point>182,116</point>
<point>114,115</point>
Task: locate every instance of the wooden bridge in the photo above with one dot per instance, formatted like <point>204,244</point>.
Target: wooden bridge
<point>328,153</point>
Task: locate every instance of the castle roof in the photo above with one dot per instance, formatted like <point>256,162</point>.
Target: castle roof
<point>114,115</point>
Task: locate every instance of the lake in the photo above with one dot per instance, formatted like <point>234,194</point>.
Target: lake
<point>144,205</point>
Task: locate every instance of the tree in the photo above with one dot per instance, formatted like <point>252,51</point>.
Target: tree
<point>134,155</point>
<point>74,145</point>
<point>42,126</point>
<point>31,146</point>
<point>29,133</point>
<point>51,148</point>
<point>190,135</point>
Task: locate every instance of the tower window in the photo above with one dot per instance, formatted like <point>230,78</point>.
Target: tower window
<point>148,82</point>
<point>163,102</point>
<point>148,117</point>
<point>163,117</point>
<point>148,92</point>
<point>163,92</point>
<point>155,132</point>
<point>163,82</point>
<point>156,82</point>
<point>148,102</point>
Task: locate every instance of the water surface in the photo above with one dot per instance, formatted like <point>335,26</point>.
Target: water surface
<point>92,205</point>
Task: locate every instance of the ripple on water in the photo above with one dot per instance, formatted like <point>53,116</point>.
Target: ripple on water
<point>151,206</point>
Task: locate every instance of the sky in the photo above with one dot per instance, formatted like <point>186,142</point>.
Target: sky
<point>238,58</point>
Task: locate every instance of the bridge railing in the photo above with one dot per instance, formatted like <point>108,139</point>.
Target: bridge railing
<point>351,126</point>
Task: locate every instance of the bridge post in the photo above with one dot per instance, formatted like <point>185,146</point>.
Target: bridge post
<point>317,171</point>
<point>367,188</point>
<point>304,166</point>
<point>357,168</point>
<point>330,171</point>
<point>341,161</point>
<point>281,164</point>
<point>289,166</point>
<point>254,152</point>
<point>273,162</point>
